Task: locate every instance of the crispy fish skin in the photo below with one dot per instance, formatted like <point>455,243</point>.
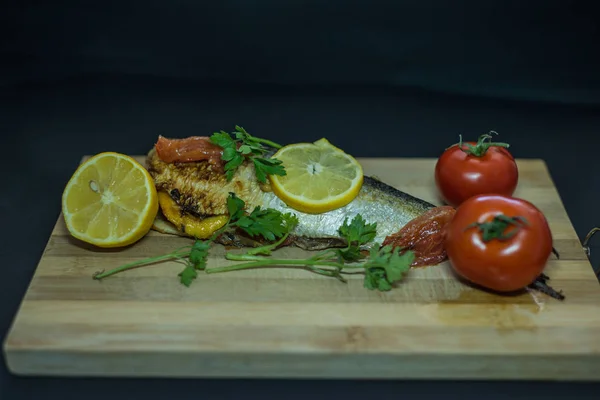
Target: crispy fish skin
<point>199,189</point>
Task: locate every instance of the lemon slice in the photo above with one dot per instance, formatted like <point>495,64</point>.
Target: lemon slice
<point>110,201</point>
<point>319,177</point>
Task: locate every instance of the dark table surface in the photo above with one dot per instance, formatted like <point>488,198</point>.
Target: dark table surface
<point>47,128</point>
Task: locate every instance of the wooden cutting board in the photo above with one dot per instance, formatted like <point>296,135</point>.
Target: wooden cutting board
<point>284,323</point>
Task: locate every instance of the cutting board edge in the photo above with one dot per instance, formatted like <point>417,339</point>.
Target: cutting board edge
<point>308,366</point>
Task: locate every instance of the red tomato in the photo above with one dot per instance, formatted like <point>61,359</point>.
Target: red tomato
<point>468,169</point>
<point>499,242</point>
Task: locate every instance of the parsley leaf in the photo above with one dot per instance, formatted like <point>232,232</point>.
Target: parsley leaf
<point>197,261</point>
<point>385,266</point>
<point>255,144</point>
<point>291,221</point>
<point>230,152</point>
<point>245,149</point>
<point>199,254</point>
<point>232,165</point>
<point>268,223</point>
<point>358,230</point>
<point>375,280</point>
<point>349,254</point>
<point>249,147</point>
<point>357,233</point>
<point>223,139</point>
<point>235,207</point>
<point>188,274</point>
<point>267,166</point>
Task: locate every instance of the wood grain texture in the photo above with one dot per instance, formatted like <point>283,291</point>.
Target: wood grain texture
<point>290,323</point>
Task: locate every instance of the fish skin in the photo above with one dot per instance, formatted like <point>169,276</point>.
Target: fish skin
<point>377,202</point>
<point>201,191</point>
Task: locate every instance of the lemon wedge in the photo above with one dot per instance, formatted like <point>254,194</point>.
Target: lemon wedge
<point>319,177</point>
<point>110,201</point>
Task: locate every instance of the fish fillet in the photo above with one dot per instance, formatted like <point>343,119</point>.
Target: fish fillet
<point>201,190</point>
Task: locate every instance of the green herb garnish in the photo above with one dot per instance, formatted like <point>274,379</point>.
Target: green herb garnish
<point>269,223</point>
<point>382,267</point>
<point>356,234</point>
<point>240,145</point>
<point>386,266</point>
<point>197,261</point>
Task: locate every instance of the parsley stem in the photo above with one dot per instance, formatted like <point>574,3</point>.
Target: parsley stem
<point>270,261</point>
<point>268,247</point>
<point>292,261</point>
<point>323,255</point>
<point>134,264</point>
<point>303,264</point>
<point>257,261</point>
<point>267,142</point>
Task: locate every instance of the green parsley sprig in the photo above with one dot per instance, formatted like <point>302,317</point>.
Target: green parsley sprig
<point>357,233</point>
<point>240,145</point>
<point>268,223</point>
<point>381,266</point>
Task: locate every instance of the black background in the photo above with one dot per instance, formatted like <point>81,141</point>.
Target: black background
<point>395,78</point>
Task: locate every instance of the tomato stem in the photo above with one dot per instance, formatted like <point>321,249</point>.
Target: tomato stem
<point>479,149</point>
<point>495,229</point>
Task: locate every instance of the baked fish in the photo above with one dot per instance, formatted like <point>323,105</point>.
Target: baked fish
<point>193,199</point>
